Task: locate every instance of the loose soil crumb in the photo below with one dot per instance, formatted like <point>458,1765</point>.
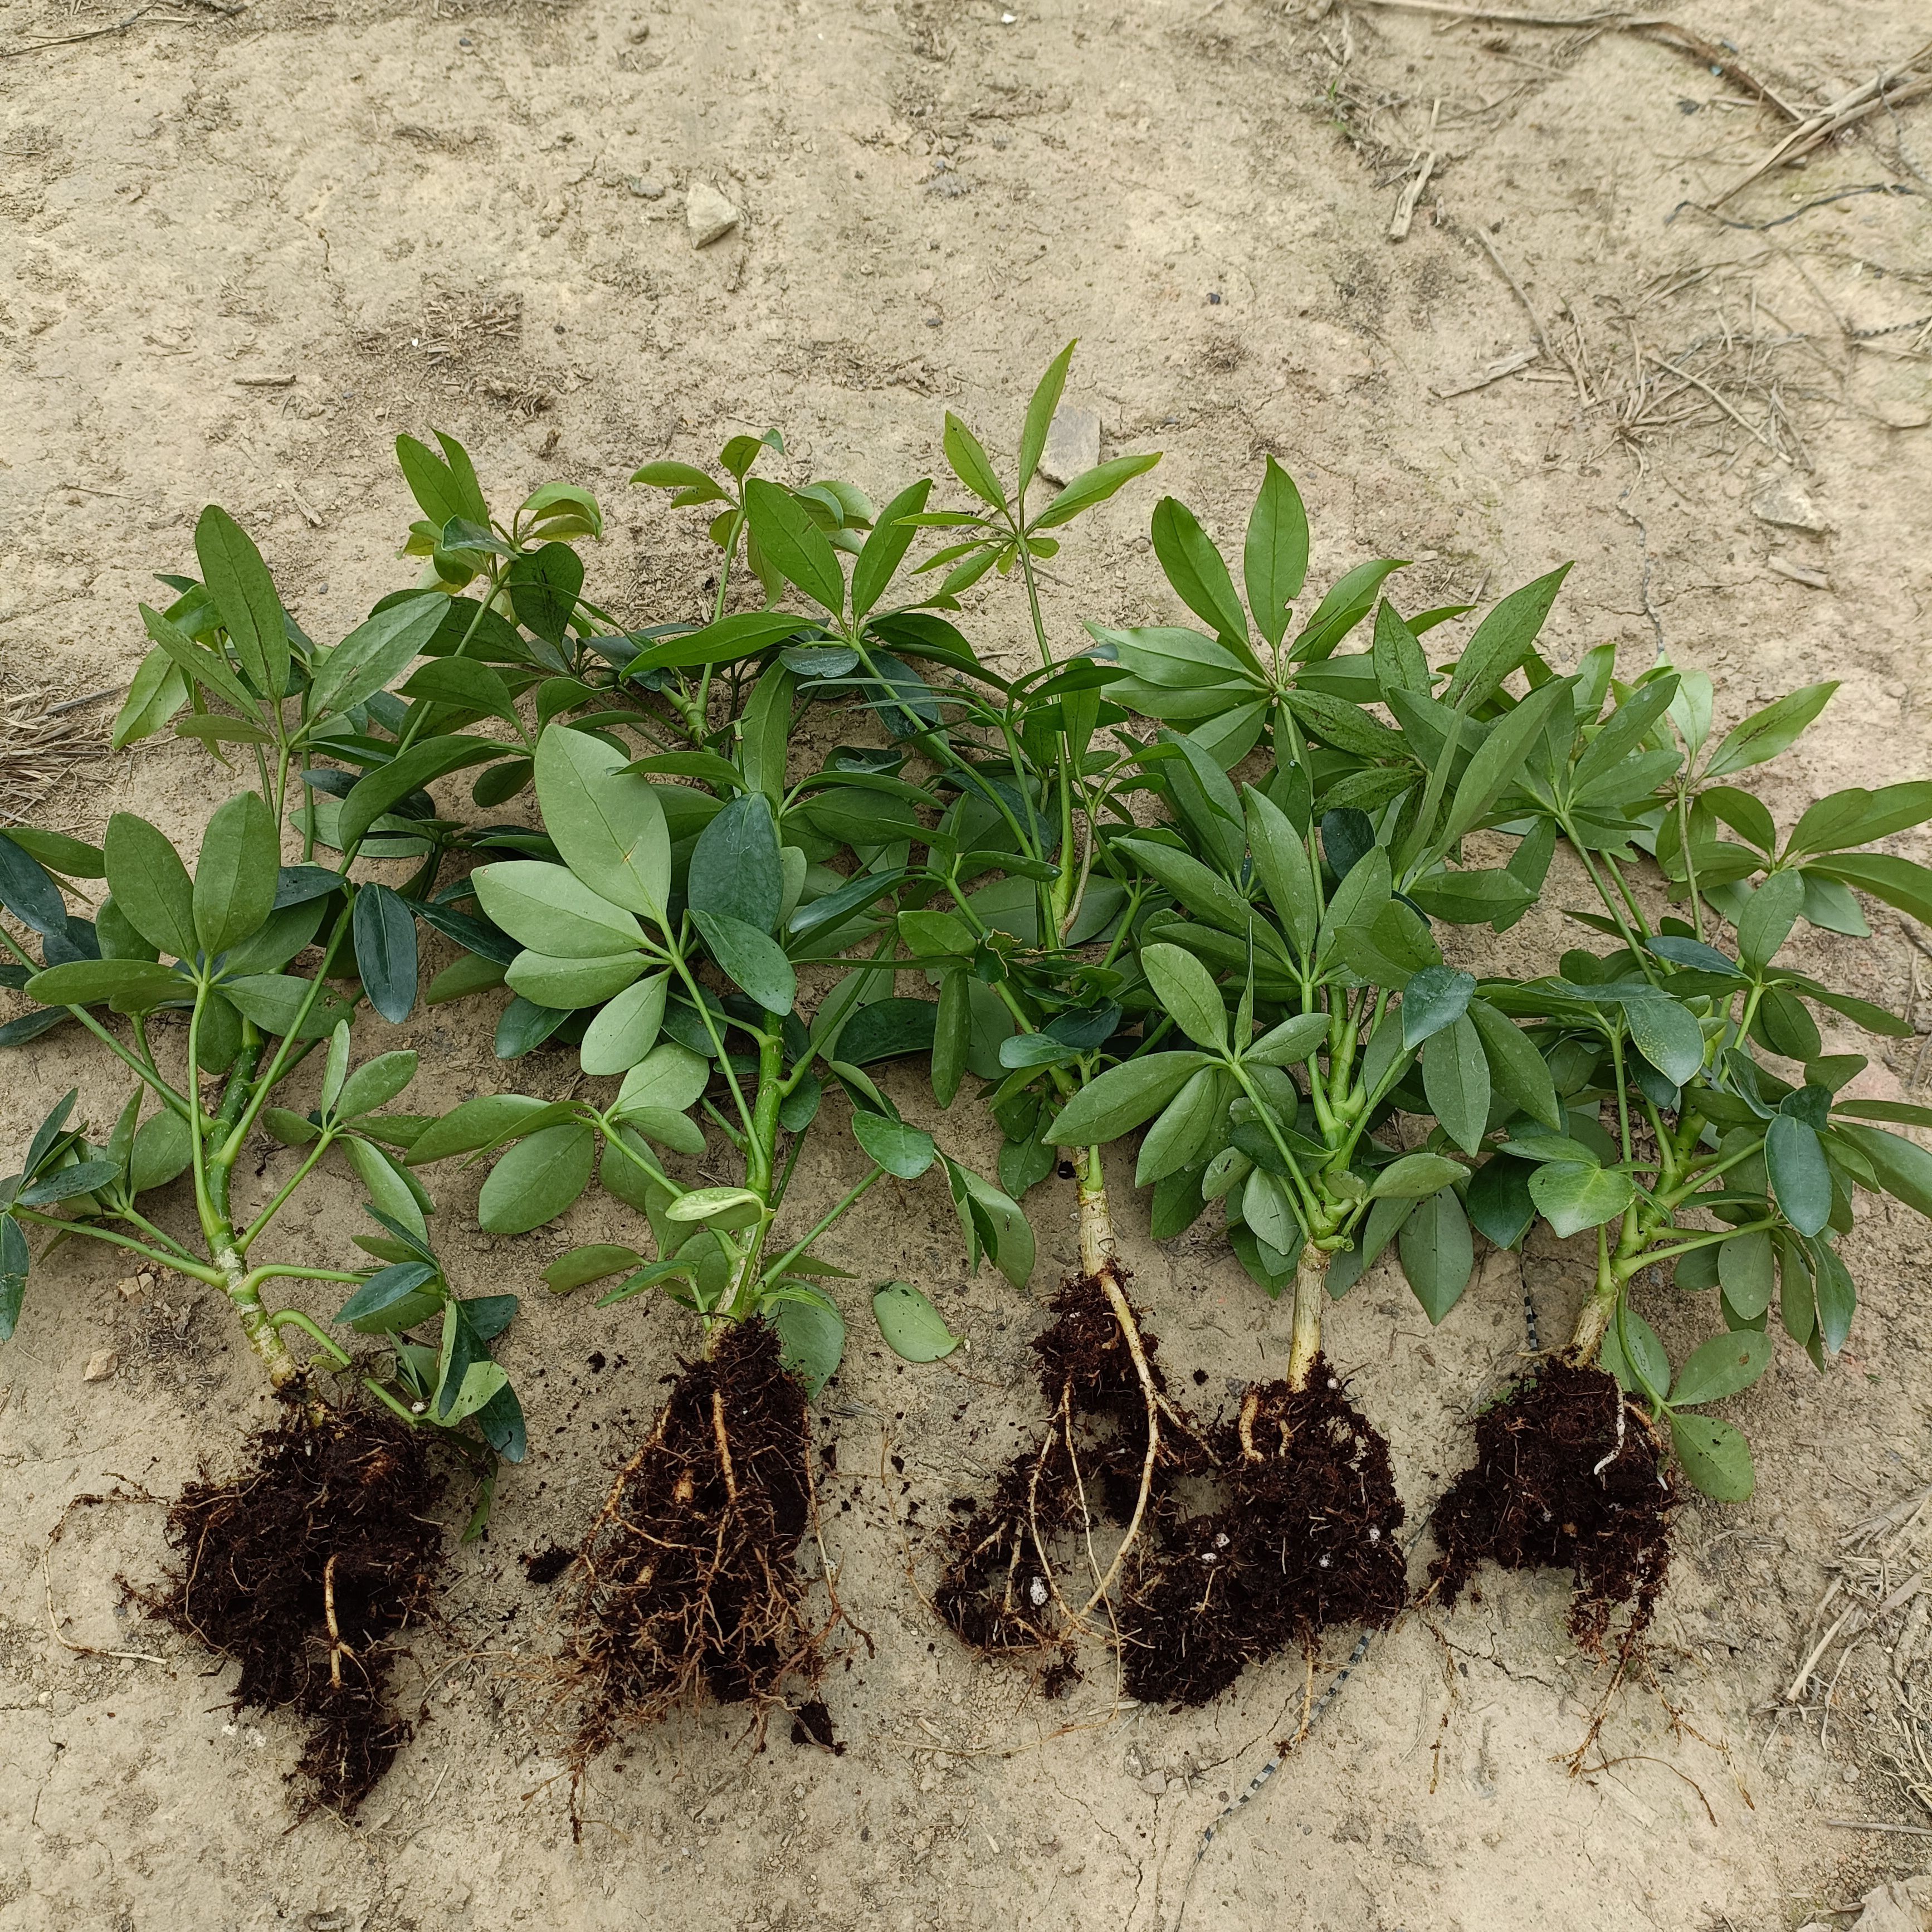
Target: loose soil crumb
<point>304,1569</point>
<point>546,1566</point>
<point>690,1584</point>
<point>1307,1540</point>
<point>1567,1474</point>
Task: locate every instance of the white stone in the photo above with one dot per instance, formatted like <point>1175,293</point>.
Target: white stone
<point>1784,503</point>
<point>709,216</point>
<point>1072,445</point>
<point>100,1366</point>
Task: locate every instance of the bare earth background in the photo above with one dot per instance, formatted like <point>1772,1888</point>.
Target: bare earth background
<point>433,215</point>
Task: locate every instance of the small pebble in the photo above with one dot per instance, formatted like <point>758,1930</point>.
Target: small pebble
<point>646,188</point>
<point>101,1366</point>
<point>709,216</point>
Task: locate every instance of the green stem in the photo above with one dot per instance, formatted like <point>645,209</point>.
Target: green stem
<point>1635,1263</point>
<point>246,1239</point>
<point>773,1269</point>
<point>180,1264</point>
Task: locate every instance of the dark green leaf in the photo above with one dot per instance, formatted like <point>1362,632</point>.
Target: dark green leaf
<point>1721,1366</point>
<point>1437,1253</point>
<point>749,958</point>
<point>793,543</point>
<point>1764,734</point>
<point>1435,997</point>
<point>1121,1098</point>
<point>1574,1197</point>
<point>736,869</point>
<point>1275,558</point>
<point>244,593</point>
<point>28,893</point>
<point>150,885</point>
<point>1455,1077</point>
<point>1502,641</point>
<point>903,1150</point>
<point>385,932</point>
<point>236,876</point>
<point>1197,571</point>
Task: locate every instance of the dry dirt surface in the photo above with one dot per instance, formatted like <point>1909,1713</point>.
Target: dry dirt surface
<point>247,245</point>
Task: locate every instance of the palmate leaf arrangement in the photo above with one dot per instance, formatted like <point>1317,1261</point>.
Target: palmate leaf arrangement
<point>1189,881</point>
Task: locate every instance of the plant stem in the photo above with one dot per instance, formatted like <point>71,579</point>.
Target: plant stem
<point>1311,1291</point>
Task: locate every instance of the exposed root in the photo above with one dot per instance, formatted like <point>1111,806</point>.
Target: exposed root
<point>686,1584</point>
<point>1306,1540</point>
<point>1105,1455</point>
<point>304,1569</point>
<point>1563,1480</point>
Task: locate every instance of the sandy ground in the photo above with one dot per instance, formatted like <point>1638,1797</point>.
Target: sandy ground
<point>436,215</point>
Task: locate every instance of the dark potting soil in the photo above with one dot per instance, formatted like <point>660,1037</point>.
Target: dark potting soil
<point>1306,1539</point>
<point>1001,1592</point>
<point>688,1581</point>
<point>1566,1476</point>
<point>304,1569</point>
<point>546,1566</point>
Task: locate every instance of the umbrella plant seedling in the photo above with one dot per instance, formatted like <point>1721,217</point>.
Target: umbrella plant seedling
<point>200,969</point>
<point>1679,1148</point>
<point>654,881</point>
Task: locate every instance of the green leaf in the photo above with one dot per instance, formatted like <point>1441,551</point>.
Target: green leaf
<point>951,1035</point>
<point>1747,1267</point>
<point>1039,421</point>
<point>885,550</point>
<point>1186,989</point>
<point>1180,1136</point>
<point>1857,817</point>
<point>1092,487</point>
<point>1667,1034</point>
<point>608,823</point>
<point>914,1329</point>
<point>537,1179</point>
<point>903,1150</point>
<point>1269,1213</point>
<point>1501,642</point>
<point>420,765</point>
<point>1203,892</point>
<point>1799,1176</point>
<point>743,634</point>
<point>374,1083</point>
<point>1296,1038</point>
<point>244,593</point>
<point>384,929</point>
<point>273,1000</point>
<point>236,875</point>
<point>570,984</point>
<point>1574,1197</point>
<point>1499,760</point>
<point>1282,864</point>
<point>1900,883</point>
<point>475,1123</point>
<point>750,958</point>
<point>27,893</point>
<point>1903,1168</point>
<point>793,543</point>
<point>1414,1177</point>
<point>1274,560</point>
<point>1715,1455</point>
<point>1764,734</point>
<point>1722,1367</point>
<point>669,1076</point>
<point>727,1207</point>
<point>394,1292</point>
<point>812,1337</point>
<point>392,1191</point>
<point>1197,571</point>
<point>968,462</point>
<point>1121,1098</point>
<point>626,1029</point>
<point>373,654</point>
<point>1500,1205</point>
<point>160,689</point>
<point>1438,1254</point>
<point>1634,1354</point>
<point>161,1152</point>
<point>208,668</point>
<point>1455,1079</point>
<point>1766,921</point>
<point>577,1268</point>
<point>15,1260</point>
<point>1520,1073</point>
<point>150,885</point>
<point>736,867</point>
<point>548,909</point>
<point>1435,998</point>
<point>132,985</point>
